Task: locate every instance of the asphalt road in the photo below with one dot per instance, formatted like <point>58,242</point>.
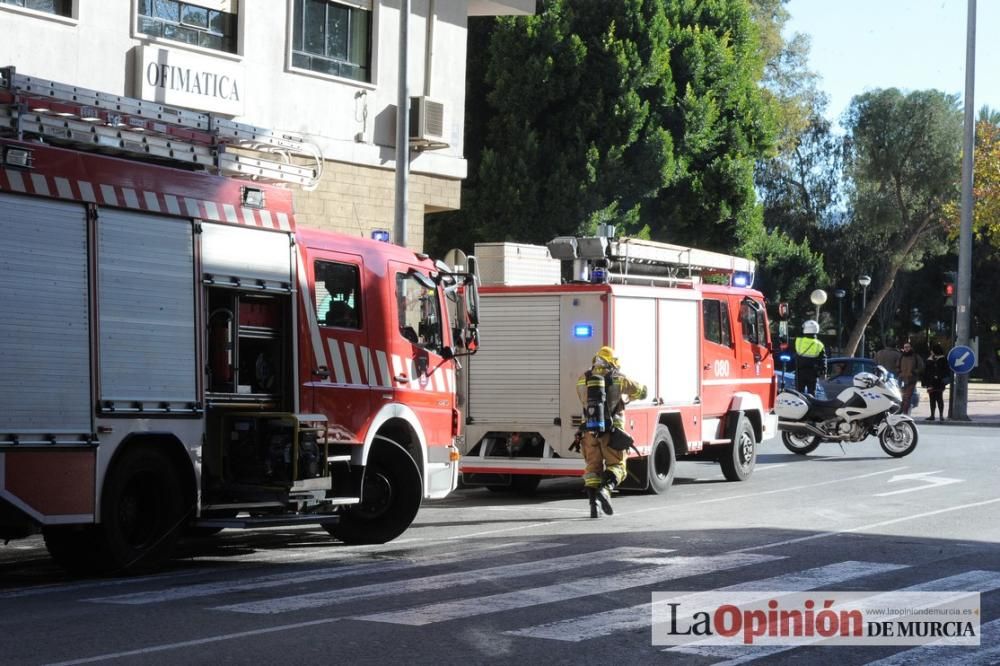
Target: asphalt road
<point>489,578</point>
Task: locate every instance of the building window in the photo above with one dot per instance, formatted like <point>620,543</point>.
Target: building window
<point>58,7</point>
<point>191,23</point>
<point>332,38</point>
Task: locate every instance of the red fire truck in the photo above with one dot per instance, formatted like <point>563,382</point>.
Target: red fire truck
<point>177,356</point>
<point>684,322</point>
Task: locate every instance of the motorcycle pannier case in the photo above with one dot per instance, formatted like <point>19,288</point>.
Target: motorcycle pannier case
<point>790,406</point>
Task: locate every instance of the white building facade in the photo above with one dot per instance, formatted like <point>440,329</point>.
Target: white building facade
<point>324,70</point>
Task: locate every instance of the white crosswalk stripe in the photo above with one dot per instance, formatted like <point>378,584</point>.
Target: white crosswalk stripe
<point>640,616</point>
<point>666,569</point>
<point>327,573</point>
<point>439,582</point>
<point>988,652</point>
<point>982,581</point>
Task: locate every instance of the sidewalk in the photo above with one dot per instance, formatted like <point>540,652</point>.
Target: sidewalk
<point>983,406</point>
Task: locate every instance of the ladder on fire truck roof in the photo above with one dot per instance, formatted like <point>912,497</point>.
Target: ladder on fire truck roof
<point>125,126</point>
<point>642,257</point>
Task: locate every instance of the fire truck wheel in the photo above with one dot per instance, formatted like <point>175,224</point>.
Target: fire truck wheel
<point>740,457</point>
<point>522,484</point>
<point>662,461</point>
<point>390,497</point>
<point>142,511</point>
<point>142,514</point>
<point>72,548</point>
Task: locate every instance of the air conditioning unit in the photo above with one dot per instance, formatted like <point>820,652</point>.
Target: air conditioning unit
<point>427,122</point>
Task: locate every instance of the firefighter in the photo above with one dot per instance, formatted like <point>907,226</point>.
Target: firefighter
<point>603,390</point>
<point>810,358</point>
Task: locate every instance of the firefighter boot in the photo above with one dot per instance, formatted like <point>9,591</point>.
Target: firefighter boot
<point>592,498</point>
<point>604,493</point>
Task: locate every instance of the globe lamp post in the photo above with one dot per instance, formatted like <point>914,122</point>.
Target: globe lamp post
<point>864,281</point>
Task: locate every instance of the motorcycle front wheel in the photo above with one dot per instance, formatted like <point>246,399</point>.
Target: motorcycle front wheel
<point>798,443</point>
<point>899,440</point>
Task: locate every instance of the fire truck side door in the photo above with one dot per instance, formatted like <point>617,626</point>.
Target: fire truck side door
<point>342,389</point>
<point>422,378</point>
<point>719,361</point>
<point>756,364</point>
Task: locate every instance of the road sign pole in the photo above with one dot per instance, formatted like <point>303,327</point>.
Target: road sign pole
<point>961,385</point>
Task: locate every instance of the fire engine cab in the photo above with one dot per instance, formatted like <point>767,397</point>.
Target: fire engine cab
<point>682,321</point>
<point>178,357</point>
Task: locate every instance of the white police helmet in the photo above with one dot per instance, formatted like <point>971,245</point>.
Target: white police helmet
<point>810,327</point>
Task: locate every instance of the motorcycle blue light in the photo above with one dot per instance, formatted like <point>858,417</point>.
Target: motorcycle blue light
<point>583,331</point>
<point>785,358</point>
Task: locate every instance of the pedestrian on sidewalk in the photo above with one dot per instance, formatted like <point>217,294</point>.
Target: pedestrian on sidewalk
<point>936,377</point>
<point>888,357</point>
<point>911,367</point>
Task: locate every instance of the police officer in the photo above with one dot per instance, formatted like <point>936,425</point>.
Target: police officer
<point>810,358</point>
<point>603,390</point>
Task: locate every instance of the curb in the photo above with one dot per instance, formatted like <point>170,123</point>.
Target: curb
<point>971,423</point>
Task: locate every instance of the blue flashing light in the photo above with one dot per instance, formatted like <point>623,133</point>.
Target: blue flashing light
<point>583,331</point>
<point>381,235</point>
<point>785,357</point>
<point>741,279</point>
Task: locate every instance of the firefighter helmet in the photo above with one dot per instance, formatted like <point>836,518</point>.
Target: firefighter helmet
<point>606,354</point>
<point>810,327</point>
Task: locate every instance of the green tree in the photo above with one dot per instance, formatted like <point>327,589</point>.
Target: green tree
<point>641,113</point>
<point>722,123</point>
<point>903,162</point>
<point>798,184</point>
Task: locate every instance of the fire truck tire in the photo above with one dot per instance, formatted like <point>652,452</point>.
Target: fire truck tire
<point>525,484</point>
<point>72,548</point>
<point>390,497</point>
<point>522,484</point>
<point>740,457</point>
<point>142,516</point>
<point>662,462</point>
<point>142,510</point>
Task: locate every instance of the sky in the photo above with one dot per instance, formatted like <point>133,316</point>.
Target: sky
<point>861,45</point>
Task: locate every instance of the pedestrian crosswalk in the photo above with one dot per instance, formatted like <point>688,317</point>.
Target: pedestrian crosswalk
<point>982,581</point>
<point>467,584</point>
<point>640,616</point>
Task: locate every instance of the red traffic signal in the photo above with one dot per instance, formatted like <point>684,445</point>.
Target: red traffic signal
<point>782,310</point>
<point>949,290</point>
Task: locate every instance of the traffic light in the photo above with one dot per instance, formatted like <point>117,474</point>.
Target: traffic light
<point>949,289</point>
<point>782,311</point>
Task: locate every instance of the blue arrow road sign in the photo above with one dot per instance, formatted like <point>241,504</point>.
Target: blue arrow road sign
<point>961,359</point>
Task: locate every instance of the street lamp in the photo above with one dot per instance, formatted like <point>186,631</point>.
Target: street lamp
<point>840,293</point>
<point>818,298</point>
<point>864,281</point>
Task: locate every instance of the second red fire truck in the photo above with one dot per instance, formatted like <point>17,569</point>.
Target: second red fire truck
<point>683,321</point>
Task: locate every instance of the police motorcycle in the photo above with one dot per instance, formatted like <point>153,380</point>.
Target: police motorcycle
<point>872,405</point>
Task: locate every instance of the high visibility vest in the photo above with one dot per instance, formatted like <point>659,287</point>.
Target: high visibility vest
<point>808,347</point>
